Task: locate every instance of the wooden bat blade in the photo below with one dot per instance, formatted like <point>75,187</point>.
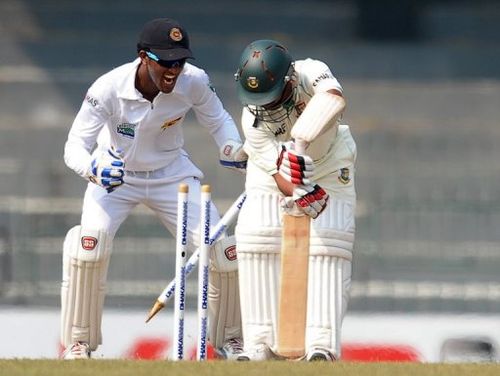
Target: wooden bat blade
<point>292,311</point>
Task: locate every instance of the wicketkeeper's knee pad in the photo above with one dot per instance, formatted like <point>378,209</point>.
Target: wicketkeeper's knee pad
<point>223,293</point>
<point>223,258</point>
<point>86,256</point>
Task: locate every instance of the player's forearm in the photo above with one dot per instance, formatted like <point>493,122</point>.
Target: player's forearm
<point>77,158</point>
<point>283,185</point>
<point>227,130</point>
<point>322,111</point>
<point>82,137</point>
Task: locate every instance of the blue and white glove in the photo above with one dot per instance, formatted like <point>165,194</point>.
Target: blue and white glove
<point>107,170</point>
<point>296,168</point>
<point>232,155</point>
<point>309,199</point>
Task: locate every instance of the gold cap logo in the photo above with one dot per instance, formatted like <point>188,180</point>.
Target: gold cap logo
<point>175,34</point>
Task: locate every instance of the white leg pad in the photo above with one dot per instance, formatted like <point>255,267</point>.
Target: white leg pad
<point>224,308</point>
<point>259,300</point>
<point>85,264</point>
<point>330,269</point>
<point>258,233</point>
<point>223,293</point>
<point>327,301</point>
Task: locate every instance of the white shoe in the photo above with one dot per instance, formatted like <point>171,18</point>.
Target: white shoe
<point>231,349</point>
<point>259,353</point>
<point>78,350</point>
<point>320,354</point>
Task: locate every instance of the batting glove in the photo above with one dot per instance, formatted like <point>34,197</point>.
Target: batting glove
<point>311,200</point>
<point>107,170</point>
<point>294,167</point>
<point>233,156</point>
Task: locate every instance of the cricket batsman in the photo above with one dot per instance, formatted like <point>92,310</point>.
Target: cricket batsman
<point>286,102</point>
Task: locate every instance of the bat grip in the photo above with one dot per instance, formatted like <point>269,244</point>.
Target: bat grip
<point>301,146</point>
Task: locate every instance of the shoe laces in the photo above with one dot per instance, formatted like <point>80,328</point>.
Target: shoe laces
<point>80,348</point>
<point>235,345</point>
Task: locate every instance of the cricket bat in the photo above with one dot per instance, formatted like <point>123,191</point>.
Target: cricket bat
<point>292,309</point>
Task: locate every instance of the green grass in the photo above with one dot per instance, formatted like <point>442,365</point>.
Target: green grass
<point>130,367</point>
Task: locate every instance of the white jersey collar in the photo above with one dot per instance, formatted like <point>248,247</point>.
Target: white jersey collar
<point>126,88</point>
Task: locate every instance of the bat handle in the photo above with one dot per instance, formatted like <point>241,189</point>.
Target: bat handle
<point>301,146</point>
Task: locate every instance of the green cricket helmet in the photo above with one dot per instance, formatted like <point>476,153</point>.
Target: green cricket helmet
<point>264,70</point>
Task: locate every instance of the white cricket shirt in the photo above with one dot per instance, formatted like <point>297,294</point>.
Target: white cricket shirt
<point>331,151</point>
<point>150,134</point>
<point>262,139</point>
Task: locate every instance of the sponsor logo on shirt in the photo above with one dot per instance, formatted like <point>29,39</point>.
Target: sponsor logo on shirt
<point>279,130</point>
<point>169,123</point>
<point>126,129</point>
<point>91,100</point>
<point>322,77</point>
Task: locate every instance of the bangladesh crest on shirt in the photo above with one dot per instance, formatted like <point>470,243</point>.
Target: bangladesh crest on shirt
<point>344,177</point>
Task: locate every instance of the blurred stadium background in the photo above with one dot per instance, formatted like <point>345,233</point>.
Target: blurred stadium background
<point>422,80</point>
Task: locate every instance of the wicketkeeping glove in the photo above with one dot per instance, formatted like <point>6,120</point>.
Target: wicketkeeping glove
<point>233,156</point>
<point>312,200</point>
<point>294,167</point>
<point>107,170</point>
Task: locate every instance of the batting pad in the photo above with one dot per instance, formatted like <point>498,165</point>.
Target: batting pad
<point>259,282</point>
<point>327,297</point>
<point>258,235</point>
<point>85,264</point>
<point>330,269</point>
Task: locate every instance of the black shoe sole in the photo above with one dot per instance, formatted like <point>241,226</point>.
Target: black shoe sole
<point>318,358</point>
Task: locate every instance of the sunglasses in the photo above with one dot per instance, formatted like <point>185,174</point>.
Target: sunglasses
<point>166,63</point>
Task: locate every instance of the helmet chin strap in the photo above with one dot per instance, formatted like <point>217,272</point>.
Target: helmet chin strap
<point>278,114</point>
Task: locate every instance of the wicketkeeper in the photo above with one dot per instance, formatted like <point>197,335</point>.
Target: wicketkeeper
<point>134,114</point>
<point>286,100</point>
